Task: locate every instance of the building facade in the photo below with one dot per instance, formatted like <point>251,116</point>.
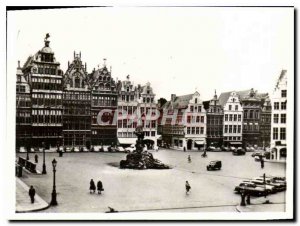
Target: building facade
<point>45,79</point>
<point>233,118</point>
<point>279,118</point>
<point>136,107</point>
<point>103,107</point>
<point>184,122</point>
<point>214,113</point>
<point>23,111</point>
<point>76,105</point>
<point>265,122</point>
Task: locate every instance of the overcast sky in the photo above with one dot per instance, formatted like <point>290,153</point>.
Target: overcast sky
<point>178,50</point>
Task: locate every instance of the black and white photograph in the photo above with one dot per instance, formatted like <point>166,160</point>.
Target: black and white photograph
<point>150,113</point>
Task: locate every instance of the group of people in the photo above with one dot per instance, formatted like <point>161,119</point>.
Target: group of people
<point>93,186</point>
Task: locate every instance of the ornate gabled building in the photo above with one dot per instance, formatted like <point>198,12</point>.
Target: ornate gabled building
<point>103,106</point>
<point>214,113</point>
<point>128,111</point>
<point>23,111</point>
<point>76,104</point>
<point>44,76</point>
<point>183,124</point>
<point>136,106</point>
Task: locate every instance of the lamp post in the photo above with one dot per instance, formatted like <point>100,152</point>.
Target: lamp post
<point>44,164</point>
<point>27,156</point>
<point>53,200</point>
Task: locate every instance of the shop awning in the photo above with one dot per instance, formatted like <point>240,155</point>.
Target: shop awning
<point>127,140</point>
<point>236,143</point>
<point>199,142</point>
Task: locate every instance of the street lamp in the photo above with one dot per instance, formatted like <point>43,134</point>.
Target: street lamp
<point>44,164</point>
<point>53,200</point>
<point>27,148</point>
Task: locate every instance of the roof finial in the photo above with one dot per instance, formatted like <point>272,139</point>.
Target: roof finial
<point>46,40</point>
<point>127,77</point>
<point>104,62</point>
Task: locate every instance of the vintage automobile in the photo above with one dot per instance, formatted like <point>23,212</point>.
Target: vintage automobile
<point>22,149</point>
<point>258,153</point>
<point>250,149</point>
<point>75,149</point>
<point>250,188</point>
<point>119,149</point>
<point>278,186</point>
<point>214,165</point>
<point>130,149</point>
<point>239,151</point>
<point>273,181</point>
<point>270,189</point>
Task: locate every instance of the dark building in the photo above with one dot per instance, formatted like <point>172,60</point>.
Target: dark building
<point>265,122</point>
<point>76,105</point>
<point>214,126</point>
<point>23,111</point>
<point>103,98</point>
<point>43,73</point>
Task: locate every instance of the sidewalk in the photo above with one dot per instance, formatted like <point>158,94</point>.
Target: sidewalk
<point>257,205</point>
<point>23,203</point>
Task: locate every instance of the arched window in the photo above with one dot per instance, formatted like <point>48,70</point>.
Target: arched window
<point>107,86</point>
<point>101,86</point>
<point>77,82</point>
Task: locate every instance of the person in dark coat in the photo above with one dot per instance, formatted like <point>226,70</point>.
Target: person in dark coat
<point>187,187</point>
<point>189,159</point>
<point>36,158</point>
<point>262,163</point>
<point>31,193</point>
<point>92,186</point>
<point>99,187</point>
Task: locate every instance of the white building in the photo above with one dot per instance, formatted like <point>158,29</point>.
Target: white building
<point>233,118</point>
<point>134,104</point>
<point>279,118</point>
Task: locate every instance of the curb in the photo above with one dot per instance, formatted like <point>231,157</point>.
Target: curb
<point>37,197</point>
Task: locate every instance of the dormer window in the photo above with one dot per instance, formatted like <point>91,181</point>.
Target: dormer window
<point>77,82</point>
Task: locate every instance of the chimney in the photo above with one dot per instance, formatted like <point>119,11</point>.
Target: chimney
<point>173,96</point>
<point>19,64</point>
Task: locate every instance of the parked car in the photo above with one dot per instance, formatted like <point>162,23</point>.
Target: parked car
<point>120,149</point>
<point>214,165</point>
<point>250,188</point>
<point>278,186</point>
<point>22,149</point>
<point>239,151</point>
<point>68,149</point>
<point>274,181</point>
<point>270,189</point>
<point>84,149</point>
<point>250,149</point>
<point>131,148</point>
<point>257,153</point>
<point>211,148</point>
<point>225,148</point>
<point>75,149</point>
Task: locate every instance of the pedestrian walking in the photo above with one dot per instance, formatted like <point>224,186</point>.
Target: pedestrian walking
<point>187,187</point>
<point>189,159</point>
<point>92,186</point>
<point>100,187</point>
<point>36,158</point>
<point>31,193</point>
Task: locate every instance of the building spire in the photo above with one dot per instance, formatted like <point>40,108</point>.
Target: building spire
<point>104,62</point>
<point>215,96</point>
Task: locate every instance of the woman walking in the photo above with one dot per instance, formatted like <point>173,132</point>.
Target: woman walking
<point>92,186</point>
<point>99,187</point>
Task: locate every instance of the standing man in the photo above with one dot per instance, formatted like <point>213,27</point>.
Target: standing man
<point>262,162</point>
<point>99,187</point>
<point>36,158</point>
<point>31,193</point>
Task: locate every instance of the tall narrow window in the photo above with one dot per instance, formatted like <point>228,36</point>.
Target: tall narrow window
<point>282,134</point>
<point>77,82</point>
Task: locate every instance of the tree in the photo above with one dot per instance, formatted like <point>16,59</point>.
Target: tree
<point>161,101</point>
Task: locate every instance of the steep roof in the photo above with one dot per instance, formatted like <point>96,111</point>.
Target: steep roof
<point>224,96</point>
<point>179,102</point>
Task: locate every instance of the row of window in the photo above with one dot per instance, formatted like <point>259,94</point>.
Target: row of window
<point>251,127</point>
<point>47,86</point>
<point>47,96</point>
<point>232,138</point>
<point>233,117</point>
<point>20,89</point>
<point>251,114</point>
<point>232,129</point>
<point>195,108</point>
<point>46,112</point>
<point>195,119</point>
<point>282,118</point>
<point>282,105</point>
<point>236,107</point>
<point>279,134</point>
<point>77,96</point>
<point>215,121</point>
<point>148,100</point>
<point>46,119</point>
<point>195,130</point>
<point>46,80</point>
